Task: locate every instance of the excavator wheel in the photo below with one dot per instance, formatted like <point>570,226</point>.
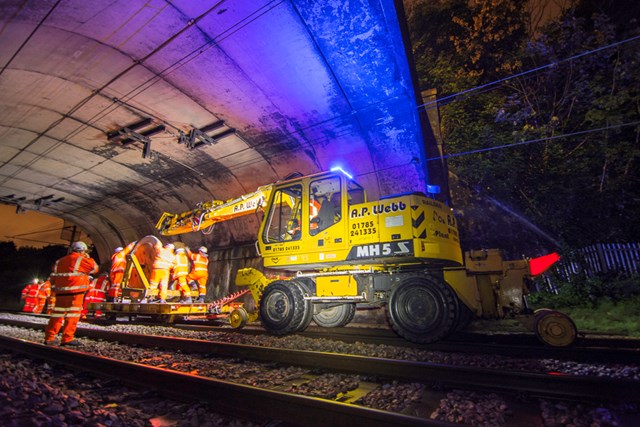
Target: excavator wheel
<point>554,328</point>
<point>422,309</point>
<point>238,318</point>
<point>336,316</point>
<point>304,285</point>
<point>282,308</point>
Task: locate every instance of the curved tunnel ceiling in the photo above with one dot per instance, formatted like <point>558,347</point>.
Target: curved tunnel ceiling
<point>228,95</point>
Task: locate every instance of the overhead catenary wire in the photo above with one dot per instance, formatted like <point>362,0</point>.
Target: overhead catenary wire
<point>532,70</point>
<point>533,141</point>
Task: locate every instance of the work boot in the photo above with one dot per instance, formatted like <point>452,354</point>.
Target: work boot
<point>72,343</point>
<point>200,298</point>
<point>186,300</point>
<point>49,343</point>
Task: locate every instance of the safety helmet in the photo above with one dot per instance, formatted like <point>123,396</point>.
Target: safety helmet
<point>203,250</point>
<point>118,249</point>
<point>179,250</point>
<point>79,246</point>
<point>170,246</point>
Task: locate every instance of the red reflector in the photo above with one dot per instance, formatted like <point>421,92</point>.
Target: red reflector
<point>541,264</point>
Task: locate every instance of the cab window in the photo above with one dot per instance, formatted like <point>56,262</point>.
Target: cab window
<point>283,218</point>
<point>356,193</point>
<point>325,204</point>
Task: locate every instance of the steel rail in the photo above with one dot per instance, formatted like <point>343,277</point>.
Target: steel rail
<point>587,350</point>
<point>551,385</point>
<point>237,400</point>
<point>596,350</point>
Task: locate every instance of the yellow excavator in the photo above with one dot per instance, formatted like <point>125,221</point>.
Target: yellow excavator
<point>344,251</point>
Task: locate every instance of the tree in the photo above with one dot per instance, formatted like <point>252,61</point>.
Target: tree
<point>581,188</point>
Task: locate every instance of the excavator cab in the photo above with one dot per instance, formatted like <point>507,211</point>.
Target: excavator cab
<point>304,219</point>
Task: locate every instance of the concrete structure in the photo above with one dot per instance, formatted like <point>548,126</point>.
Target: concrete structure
<point>112,112</point>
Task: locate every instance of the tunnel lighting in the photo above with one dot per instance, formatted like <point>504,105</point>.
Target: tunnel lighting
<point>339,169</point>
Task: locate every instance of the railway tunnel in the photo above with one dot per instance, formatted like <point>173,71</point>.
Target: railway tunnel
<point>115,112</point>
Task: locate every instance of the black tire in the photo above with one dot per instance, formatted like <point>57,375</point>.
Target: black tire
<point>422,309</point>
<point>304,285</point>
<point>336,316</point>
<point>282,308</point>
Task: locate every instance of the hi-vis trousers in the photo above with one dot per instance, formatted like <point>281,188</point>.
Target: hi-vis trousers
<point>67,310</point>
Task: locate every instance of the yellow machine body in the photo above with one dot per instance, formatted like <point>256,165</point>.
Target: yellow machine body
<point>489,285</point>
<point>341,250</point>
<point>348,230</point>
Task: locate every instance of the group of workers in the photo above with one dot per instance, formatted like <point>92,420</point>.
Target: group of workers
<point>171,265</point>
<point>36,295</point>
<point>71,286</point>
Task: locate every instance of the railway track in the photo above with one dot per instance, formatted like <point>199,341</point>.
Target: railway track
<point>242,401</point>
<point>586,349</point>
<point>344,408</point>
<point>549,385</point>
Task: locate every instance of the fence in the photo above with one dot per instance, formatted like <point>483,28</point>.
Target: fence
<point>601,258</point>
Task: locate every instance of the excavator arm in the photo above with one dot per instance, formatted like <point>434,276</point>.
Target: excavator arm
<point>207,214</point>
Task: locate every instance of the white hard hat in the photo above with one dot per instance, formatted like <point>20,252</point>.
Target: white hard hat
<point>179,250</point>
<point>118,249</point>
<point>170,246</point>
<point>79,246</point>
<point>203,250</point>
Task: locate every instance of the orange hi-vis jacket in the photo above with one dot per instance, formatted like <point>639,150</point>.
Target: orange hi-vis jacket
<point>44,289</point>
<point>180,265</point>
<point>44,292</point>
<point>98,291</point>
<point>118,264</point>
<point>30,297</point>
<point>71,274</point>
<point>200,265</point>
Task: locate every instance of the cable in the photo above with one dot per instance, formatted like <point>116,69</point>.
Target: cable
<point>531,141</point>
<point>24,43</point>
<point>533,70</point>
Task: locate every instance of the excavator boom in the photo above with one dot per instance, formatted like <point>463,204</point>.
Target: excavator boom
<point>207,214</point>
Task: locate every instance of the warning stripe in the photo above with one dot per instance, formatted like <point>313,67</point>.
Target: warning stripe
<point>419,222</point>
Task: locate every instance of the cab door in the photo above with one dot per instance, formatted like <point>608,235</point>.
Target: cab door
<point>324,227</point>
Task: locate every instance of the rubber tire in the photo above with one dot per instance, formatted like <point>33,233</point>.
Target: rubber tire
<point>282,308</point>
<point>304,287</point>
<point>422,309</point>
<point>238,318</point>
<point>554,328</point>
<point>336,316</point>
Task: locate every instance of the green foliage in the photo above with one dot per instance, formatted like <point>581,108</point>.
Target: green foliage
<point>590,292</point>
<point>603,304</point>
<point>609,317</point>
<point>581,187</point>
